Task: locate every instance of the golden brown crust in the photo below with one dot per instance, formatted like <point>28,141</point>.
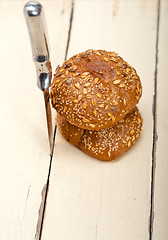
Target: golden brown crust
<point>70,132</point>
<point>95,89</point>
<point>106,144</point>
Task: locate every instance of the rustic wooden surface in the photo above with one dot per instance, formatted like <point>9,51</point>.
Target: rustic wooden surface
<point>160,227</point>
<point>24,150</point>
<point>71,195</point>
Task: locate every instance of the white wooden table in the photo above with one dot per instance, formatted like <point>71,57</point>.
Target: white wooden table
<point>70,195</point>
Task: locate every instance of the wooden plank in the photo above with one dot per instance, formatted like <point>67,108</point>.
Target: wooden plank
<point>24,154</point>
<point>160,227</point>
<point>89,199</point>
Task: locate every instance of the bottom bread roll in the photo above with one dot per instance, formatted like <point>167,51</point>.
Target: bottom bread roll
<point>108,143</point>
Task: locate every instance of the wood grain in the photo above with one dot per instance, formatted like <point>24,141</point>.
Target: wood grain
<point>160,226</point>
<point>89,199</point>
<point>24,154</point>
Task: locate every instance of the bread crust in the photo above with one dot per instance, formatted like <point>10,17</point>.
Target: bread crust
<point>95,89</point>
<point>105,144</point>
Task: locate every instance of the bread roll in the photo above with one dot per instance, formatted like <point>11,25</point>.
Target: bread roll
<point>95,89</point>
<point>105,144</point>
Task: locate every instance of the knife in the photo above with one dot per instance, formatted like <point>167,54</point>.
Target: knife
<point>36,24</point>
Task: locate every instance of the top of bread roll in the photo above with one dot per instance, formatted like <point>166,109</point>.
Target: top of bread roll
<point>95,89</point>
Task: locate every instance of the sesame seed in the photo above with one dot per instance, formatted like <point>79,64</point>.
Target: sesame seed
<point>128,138</point>
<point>98,95</point>
<point>133,138</point>
<point>93,102</point>
<point>85,91</point>
<point>139,120</point>
<point>109,153</point>
<point>106,59</point>
<point>96,80</point>
<point>125,101</point>
<point>86,78</point>
<point>84,105</point>
<point>87,84</point>
<point>98,53</point>
<point>58,74</point>
<point>79,97</point>
<point>110,134</point>
<point>85,120</point>
<point>124,66</point>
<point>113,59</point>
<point>101,52</point>
<point>94,112</point>
<point>106,107</point>
<point>113,118</point>
<point>77,85</point>
<point>109,114</point>
<point>132,131</point>
<point>75,101</point>
<point>68,81</point>
<point>57,81</point>
<point>92,125</point>
<point>72,70</point>
<point>116,81</point>
<point>65,108</point>
<point>85,74</point>
<point>115,102</point>
<point>88,96</point>
<point>101,85</point>
<point>122,85</point>
<point>129,143</point>
<point>67,65</point>
<point>83,55</point>
<point>101,105</point>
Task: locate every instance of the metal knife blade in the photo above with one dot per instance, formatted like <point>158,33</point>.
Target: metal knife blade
<point>36,24</point>
<point>49,118</point>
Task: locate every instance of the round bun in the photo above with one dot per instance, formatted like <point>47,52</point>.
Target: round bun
<point>95,89</point>
<point>106,144</point>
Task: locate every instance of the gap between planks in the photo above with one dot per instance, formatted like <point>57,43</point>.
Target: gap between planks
<point>44,192</point>
<point>44,197</point>
<point>155,136</point>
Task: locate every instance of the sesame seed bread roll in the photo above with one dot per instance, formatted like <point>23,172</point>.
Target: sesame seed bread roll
<point>95,89</point>
<point>105,144</point>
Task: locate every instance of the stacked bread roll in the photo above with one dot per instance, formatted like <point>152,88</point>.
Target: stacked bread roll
<point>95,94</point>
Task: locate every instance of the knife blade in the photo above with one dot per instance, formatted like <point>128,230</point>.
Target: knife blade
<point>36,24</point>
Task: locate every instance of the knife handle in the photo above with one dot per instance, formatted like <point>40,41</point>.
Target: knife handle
<point>35,19</point>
